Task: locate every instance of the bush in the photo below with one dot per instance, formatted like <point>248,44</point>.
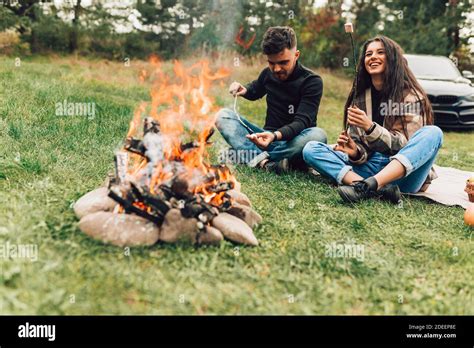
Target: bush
<point>49,34</point>
<point>140,45</point>
<point>7,18</point>
<point>11,44</point>
<point>205,37</point>
<point>104,43</point>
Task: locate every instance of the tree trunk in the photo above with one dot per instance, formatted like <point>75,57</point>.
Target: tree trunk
<point>74,36</point>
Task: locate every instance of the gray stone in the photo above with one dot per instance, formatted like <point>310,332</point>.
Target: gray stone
<point>234,229</point>
<point>239,197</point>
<point>176,228</point>
<point>243,212</point>
<point>94,201</point>
<point>120,229</point>
<point>212,236</point>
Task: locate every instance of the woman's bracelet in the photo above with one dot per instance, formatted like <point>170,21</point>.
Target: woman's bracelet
<point>371,129</point>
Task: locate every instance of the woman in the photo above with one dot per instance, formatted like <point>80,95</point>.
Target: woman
<point>391,144</point>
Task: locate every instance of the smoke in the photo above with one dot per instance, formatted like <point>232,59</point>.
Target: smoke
<point>227,14</point>
<point>153,143</point>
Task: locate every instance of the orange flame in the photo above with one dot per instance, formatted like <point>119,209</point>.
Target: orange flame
<point>184,109</point>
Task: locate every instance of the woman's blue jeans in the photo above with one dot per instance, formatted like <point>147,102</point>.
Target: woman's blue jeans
<point>417,156</point>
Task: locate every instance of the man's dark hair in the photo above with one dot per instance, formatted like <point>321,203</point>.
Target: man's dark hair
<point>276,39</point>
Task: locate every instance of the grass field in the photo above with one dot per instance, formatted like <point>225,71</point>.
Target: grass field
<point>418,258</point>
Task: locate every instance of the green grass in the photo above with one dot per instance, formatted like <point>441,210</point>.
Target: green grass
<point>418,258</point>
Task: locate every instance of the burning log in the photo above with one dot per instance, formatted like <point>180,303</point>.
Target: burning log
<point>221,187</point>
<point>191,145</point>
<point>135,146</point>
<point>130,207</point>
<point>200,209</point>
<point>154,201</point>
<point>151,125</point>
<point>121,164</point>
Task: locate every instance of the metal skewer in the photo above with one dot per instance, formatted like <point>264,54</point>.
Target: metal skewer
<point>238,116</point>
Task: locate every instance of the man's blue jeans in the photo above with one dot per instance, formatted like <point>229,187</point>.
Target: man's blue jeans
<point>417,156</point>
<point>234,134</point>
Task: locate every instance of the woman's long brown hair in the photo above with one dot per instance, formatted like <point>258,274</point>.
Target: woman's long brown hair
<point>398,80</point>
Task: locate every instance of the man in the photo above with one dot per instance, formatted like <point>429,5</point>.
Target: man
<point>293,95</point>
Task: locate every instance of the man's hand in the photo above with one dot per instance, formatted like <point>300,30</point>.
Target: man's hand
<point>236,88</point>
<point>346,144</point>
<point>262,140</point>
<point>357,117</point>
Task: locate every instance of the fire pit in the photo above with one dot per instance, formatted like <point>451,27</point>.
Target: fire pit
<point>163,187</point>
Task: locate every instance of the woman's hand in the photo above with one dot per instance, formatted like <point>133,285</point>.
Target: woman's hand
<point>357,117</point>
<point>346,144</point>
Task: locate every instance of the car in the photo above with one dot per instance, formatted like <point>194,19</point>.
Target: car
<point>451,94</point>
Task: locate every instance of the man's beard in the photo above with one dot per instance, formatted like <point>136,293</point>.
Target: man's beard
<point>280,76</point>
<point>283,75</point>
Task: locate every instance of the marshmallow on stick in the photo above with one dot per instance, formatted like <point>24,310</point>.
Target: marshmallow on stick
<point>348,28</point>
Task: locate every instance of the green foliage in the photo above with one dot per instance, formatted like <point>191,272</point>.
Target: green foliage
<point>139,45</point>
<point>429,27</point>
<point>105,43</point>
<point>49,34</point>
<point>205,37</point>
<point>7,19</point>
<point>323,40</point>
<point>173,28</point>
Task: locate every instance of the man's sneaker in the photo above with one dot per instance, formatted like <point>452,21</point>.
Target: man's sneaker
<point>280,167</point>
<point>257,159</point>
<point>390,193</point>
<point>313,172</point>
<point>358,191</point>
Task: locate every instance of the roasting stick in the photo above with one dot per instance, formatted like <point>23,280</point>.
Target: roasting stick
<point>238,116</point>
<point>235,105</point>
<point>350,29</point>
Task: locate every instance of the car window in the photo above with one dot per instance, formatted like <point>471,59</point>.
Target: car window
<point>433,67</point>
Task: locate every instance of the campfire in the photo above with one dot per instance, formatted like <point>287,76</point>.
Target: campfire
<point>163,187</point>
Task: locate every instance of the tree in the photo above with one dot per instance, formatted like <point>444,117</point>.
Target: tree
<point>73,39</point>
<point>430,26</point>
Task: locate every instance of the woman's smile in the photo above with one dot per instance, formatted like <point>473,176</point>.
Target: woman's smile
<point>375,58</point>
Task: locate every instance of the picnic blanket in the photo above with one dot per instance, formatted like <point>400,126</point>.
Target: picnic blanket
<point>448,188</point>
